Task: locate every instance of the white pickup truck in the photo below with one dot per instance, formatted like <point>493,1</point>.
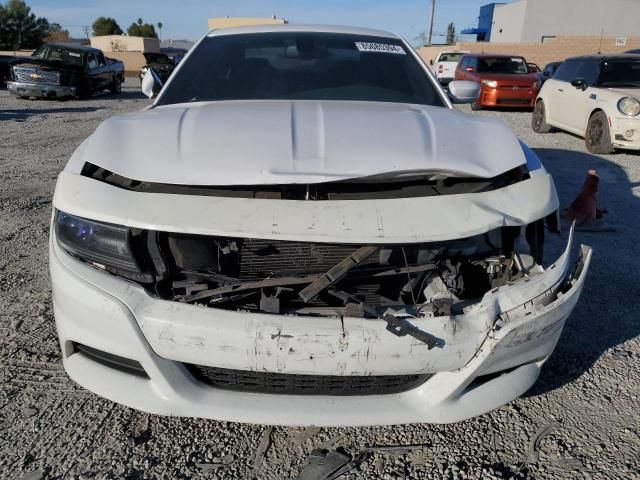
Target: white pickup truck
<point>444,66</point>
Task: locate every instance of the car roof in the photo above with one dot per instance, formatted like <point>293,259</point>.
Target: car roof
<point>614,56</point>
<point>287,27</point>
<point>73,46</point>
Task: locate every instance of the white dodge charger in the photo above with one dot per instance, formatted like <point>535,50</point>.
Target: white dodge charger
<point>301,230</point>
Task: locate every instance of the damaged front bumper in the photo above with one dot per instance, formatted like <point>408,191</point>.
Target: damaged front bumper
<point>485,357</point>
<point>39,90</point>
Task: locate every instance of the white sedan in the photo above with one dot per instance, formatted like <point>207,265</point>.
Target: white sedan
<point>301,230</point>
<point>596,97</point>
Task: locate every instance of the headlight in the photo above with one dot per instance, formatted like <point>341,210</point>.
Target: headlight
<point>105,245</point>
<point>490,83</point>
<point>629,106</point>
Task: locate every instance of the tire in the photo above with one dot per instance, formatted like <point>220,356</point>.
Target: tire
<point>116,86</point>
<point>539,119</point>
<point>475,106</point>
<point>83,92</point>
<point>598,137</point>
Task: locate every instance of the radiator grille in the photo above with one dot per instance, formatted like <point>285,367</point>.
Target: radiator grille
<point>290,384</point>
<point>264,258</point>
<point>35,75</point>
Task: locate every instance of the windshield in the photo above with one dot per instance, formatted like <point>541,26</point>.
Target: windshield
<point>450,57</point>
<point>502,65</point>
<point>301,66</point>
<point>620,73</point>
<point>58,54</point>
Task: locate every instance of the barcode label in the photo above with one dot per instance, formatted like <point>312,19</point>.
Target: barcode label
<point>380,48</point>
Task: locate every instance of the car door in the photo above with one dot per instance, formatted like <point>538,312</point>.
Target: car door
<point>555,94</point>
<point>92,72</point>
<point>104,76</point>
<point>581,101</point>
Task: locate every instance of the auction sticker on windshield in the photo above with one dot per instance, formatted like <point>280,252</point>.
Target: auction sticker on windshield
<point>380,48</point>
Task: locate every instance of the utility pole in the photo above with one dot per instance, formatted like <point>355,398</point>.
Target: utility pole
<point>433,9</point>
<point>85,29</point>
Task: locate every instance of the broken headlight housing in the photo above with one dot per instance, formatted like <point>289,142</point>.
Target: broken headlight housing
<point>103,245</point>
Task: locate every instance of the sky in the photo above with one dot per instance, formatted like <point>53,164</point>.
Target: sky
<point>187,19</point>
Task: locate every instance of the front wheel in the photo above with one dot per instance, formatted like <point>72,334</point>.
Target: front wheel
<point>598,136</point>
<point>539,119</point>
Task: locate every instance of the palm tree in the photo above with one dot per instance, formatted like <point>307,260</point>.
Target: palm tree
<point>160,29</point>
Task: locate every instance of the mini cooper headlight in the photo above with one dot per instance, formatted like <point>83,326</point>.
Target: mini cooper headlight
<point>629,106</point>
<point>490,83</point>
<point>105,245</point>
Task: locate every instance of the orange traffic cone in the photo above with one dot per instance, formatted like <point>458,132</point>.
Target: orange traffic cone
<point>584,209</point>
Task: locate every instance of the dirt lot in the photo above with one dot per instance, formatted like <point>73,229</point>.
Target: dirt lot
<point>588,394</point>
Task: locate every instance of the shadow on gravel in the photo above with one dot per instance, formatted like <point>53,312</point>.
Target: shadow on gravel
<point>607,313</point>
<point>21,115</point>
<point>125,95</point>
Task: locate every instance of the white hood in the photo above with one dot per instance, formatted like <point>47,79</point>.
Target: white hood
<point>276,142</point>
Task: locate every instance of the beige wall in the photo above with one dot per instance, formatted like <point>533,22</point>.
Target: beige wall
<point>18,53</point>
<point>123,43</point>
<point>230,22</point>
<point>133,61</point>
<point>539,53</point>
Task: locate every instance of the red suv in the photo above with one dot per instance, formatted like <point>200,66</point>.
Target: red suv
<point>505,80</point>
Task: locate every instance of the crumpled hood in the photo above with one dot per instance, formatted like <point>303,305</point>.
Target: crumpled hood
<point>276,142</point>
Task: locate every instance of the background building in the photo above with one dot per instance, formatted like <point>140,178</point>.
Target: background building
<point>539,20</point>
<point>230,22</point>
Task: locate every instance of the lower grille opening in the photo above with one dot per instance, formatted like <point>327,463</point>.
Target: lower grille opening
<point>122,364</point>
<point>514,101</point>
<point>293,384</point>
<point>482,379</point>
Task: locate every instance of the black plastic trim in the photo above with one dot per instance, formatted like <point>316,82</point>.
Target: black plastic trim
<point>294,384</point>
<point>122,364</point>
<point>359,189</point>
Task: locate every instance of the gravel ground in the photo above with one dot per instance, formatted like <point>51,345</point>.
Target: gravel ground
<point>588,393</point>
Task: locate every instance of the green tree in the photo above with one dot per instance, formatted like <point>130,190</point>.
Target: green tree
<point>451,34</point>
<point>141,29</point>
<point>20,28</point>
<point>58,34</point>
<point>106,26</point>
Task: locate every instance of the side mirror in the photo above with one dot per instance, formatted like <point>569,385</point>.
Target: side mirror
<point>431,62</point>
<point>151,83</point>
<point>463,91</point>
<point>579,83</point>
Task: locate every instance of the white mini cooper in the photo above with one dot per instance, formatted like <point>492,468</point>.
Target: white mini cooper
<point>596,97</point>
